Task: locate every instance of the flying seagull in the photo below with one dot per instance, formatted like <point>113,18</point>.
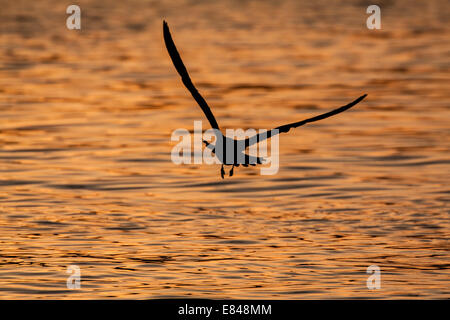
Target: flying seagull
<point>223,143</point>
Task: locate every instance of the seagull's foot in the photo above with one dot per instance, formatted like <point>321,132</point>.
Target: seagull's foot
<point>222,172</point>
<point>232,171</point>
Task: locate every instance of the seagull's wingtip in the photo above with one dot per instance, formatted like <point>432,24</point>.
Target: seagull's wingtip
<point>166,30</point>
<point>362,97</point>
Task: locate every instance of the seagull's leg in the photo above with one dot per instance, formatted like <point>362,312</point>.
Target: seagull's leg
<point>222,172</point>
<point>232,171</point>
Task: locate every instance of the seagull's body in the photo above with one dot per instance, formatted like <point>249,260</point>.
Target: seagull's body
<point>224,143</point>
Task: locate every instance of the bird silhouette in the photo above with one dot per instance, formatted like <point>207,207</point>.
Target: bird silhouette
<point>236,148</point>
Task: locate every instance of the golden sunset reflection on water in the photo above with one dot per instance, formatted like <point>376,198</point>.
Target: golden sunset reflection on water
<point>87,179</point>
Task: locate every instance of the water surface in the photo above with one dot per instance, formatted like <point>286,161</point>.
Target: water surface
<point>86,176</point>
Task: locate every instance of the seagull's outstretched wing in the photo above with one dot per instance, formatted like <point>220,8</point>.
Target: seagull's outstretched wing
<point>263,136</point>
<point>178,63</point>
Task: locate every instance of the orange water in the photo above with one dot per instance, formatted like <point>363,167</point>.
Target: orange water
<point>86,175</point>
